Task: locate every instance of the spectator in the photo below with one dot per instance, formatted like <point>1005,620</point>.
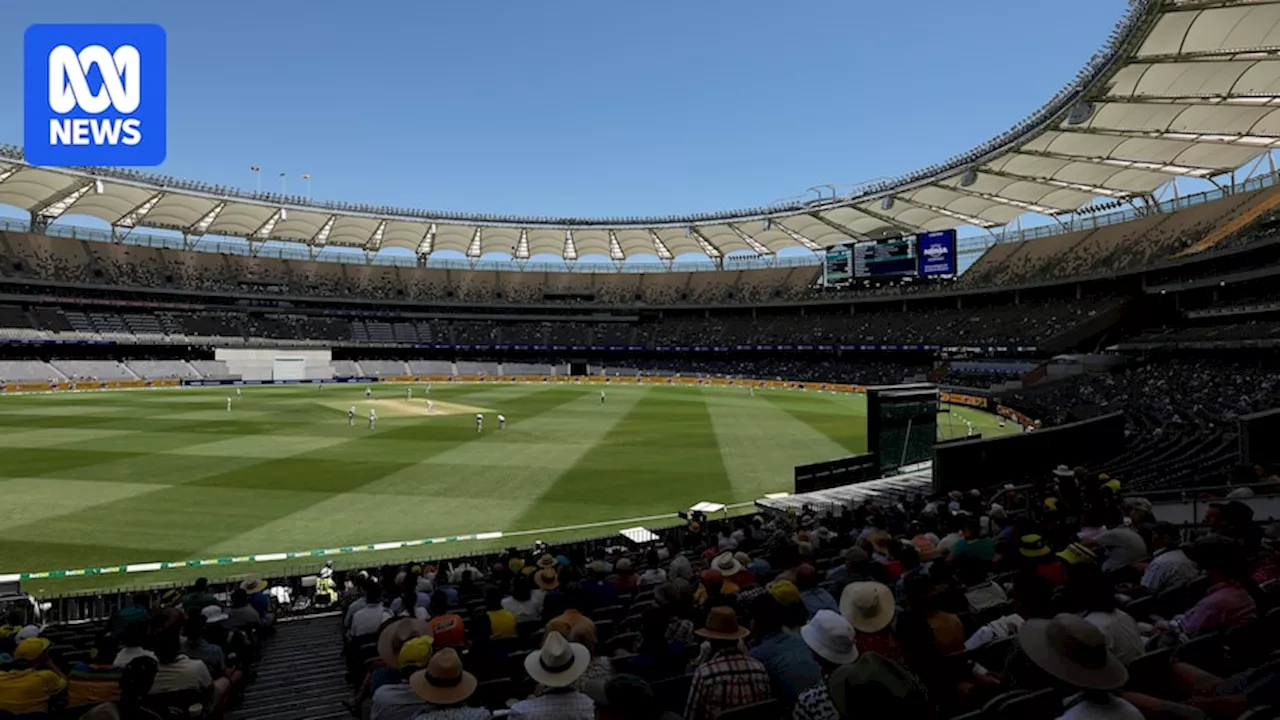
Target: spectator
<point>241,616</point>
<point>1169,567</point>
<point>1032,598</point>
<point>556,666</point>
<point>854,568</point>
<point>447,626</point>
<point>876,682</point>
<point>597,587</point>
<point>196,647</point>
<point>256,589</point>
<point>137,611</point>
<point>199,597</point>
<point>401,700</point>
<point>1074,653</point>
<point>813,596</point>
<point>1093,594</point>
<point>869,608</point>
<point>521,603</point>
<point>658,656</point>
<point>1227,603</point>
<point>369,618</point>
<point>135,638</point>
<point>923,596</point>
<point>444,686</point>
<point>971,545</point>
<point>564,623</point>
<point>136,680</point>
<point>600,668</point>
<point>179,673</point>
<point>98,680</point>
<point>627,697</point>
<point>729,678</point>
<point>653,574</point>
<point>785,656</point>
<point>502,622</point>
<point>831,639</point>
<point>1038,557</point>
<point>1123,547</point>
<point>31,680</point>
<point>624,577</point>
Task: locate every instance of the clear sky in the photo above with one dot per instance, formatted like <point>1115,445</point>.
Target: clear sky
<point>585,108</point>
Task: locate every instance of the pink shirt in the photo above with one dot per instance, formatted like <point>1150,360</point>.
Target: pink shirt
<point>1226,605</point>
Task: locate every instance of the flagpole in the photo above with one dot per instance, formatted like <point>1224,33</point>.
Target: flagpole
<point>283,178</point>
<point>257,177</point>
<point>307,178</point>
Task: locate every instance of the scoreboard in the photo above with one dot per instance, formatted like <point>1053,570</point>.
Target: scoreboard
<point>926,255</point>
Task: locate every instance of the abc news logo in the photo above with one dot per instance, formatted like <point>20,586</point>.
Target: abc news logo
<point>95,95</point>
<point>69,89</point>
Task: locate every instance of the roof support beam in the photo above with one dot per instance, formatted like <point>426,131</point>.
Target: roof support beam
<point>970,219</point>
<point>6,174</point>
<point>1165,168</point>
<point>202,225</point>
<point>1021,205</point>
<point>660,249</point>
<point>750,241</point>
<point>896,224</point>
<point>708,247</point>
<point>1054,182</point>
<point>804,241</point>
<point>322,235</point>
<point>475,249</point>
<point>1261,140</point>
<point>616,253</point>
<point>265,229</point>
<point>838,227</point>
<point>570,253</point>
<point>135,216</point>
<point>375,240</point>
<point>427,245</point>
<point>522,246</point>
<point>57,204</point>
<point>1216,100</point>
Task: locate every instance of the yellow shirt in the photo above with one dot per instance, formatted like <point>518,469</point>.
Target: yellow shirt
<point>28,691</point>
<point>502,624</point>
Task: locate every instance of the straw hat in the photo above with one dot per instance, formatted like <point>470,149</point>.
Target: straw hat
<point>443,682</point>
<point>722,624</point>
<point>396,634</point>
<point>546,578</point>
<point>868,606</point>
<point>546,561</point>
<point>559,662</point>
<point>1074,651</point>
<point>1063,471</point>
<point>253,586</point>
<point>726,564</point>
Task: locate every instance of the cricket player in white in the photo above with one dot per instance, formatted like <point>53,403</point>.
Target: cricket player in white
<point>601,397</point>
<point>479,421</point>
<point>237,392</point>
<point>228,403</point>
<point>373,418</point>
<point>368,392</point>
<point>502,421</point>
<point>431,407</point>
<point>751,390</point>
<point>408,393</point>
<point>351,416</point>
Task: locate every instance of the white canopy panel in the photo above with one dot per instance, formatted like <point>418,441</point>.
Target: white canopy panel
<point>1185,88</point>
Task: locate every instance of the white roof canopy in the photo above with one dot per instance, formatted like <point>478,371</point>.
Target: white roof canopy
<point>1185,88</point>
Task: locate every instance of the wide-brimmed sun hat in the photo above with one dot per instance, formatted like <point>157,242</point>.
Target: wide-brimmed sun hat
<point>396,634</point>
<point>831,637</point>
<point>443,682</point>
<point>559,662</point>
<point>547,579</point>
<point>1063,471</point>
<point>214,614</point>
<point>546,561</point>
<point>1074,651</point>
<point>726,564</point>
<point>1077,554</point>
<point>253,586</point>
<point>868,606</point>
<point>722,624</point>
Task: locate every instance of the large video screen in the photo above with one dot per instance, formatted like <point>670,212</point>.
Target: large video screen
<point>927,255</point>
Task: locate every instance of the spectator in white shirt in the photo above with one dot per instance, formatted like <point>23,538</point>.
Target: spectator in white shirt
<point>179,673</point>
<point>369,618</point>
<point>1169,567</point>
<point>1094,594</point>
<point>135,635</point>
<point>653,575</point>
<point>522,602</point>
<point>1074,653</point>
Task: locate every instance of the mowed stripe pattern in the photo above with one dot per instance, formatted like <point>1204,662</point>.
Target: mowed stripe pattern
<point>105,478</point>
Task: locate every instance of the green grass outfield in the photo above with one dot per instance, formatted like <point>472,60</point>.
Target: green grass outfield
<point>104,478</point>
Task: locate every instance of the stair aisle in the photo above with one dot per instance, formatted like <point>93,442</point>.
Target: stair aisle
<point>300,676</point>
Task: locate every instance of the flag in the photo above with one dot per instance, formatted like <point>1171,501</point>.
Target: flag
<point>282,174</point>
<point>254,168</point>
<point>306,176</point>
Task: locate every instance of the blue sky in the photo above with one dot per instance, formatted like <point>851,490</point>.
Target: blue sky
<point>585,108</point>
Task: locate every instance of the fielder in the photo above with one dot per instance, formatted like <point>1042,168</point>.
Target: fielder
<point>228,403</point>
<point>431,407</point>
<point>373,418</point>
<point>351,416</point>
<point>601,397</point>
<point>237,393</point>
<point>368,393</point>
<point>751,390</point>
<point>479,422</point>
<point>408,393</point>
<point>502,421</point>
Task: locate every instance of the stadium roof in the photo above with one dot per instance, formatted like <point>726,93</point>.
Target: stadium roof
<point>1184,88</point>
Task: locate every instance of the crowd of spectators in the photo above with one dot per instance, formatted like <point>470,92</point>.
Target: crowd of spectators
<point>933,606</point>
